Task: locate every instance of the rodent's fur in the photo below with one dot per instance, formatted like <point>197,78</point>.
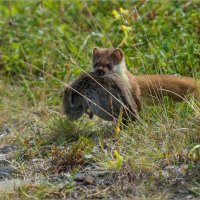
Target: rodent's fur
<point>106,60</point>
<point>93,94</point>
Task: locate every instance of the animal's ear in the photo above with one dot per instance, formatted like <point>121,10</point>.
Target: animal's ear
<point>95,52</point>
<point>117,56</point>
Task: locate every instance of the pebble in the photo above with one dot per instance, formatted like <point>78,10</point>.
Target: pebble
<point>85,179</point>
<point>189,197</point>
<point>6,171</point>
<point>79,177</point>
<point>9,185</point>
<point>100,173</point>
<point>8,148</point>
<point>3,160</point>
<point>66,177</point>
<point>88,180</point>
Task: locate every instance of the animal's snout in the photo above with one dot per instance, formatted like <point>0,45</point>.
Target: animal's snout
<point>100,71</point>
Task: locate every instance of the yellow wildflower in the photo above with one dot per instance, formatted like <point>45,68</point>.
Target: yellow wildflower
<point>126,28</point>
<point>116,14</point>
<point>123,11</point>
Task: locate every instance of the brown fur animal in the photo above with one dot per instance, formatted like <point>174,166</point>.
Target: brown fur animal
<point>112,60</point>
<point>86,93</point>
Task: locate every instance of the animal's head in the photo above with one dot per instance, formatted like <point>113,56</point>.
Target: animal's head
<point>107,59</point>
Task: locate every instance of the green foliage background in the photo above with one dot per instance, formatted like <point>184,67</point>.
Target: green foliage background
<point>157,37</point>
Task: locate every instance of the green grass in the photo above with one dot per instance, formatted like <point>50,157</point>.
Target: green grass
<point>44,44</point>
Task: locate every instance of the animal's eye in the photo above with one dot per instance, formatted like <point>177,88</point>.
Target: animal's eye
<point>109,65</point>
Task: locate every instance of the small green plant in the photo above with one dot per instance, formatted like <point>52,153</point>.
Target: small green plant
<point>72,156</point>
<point>116,163</point>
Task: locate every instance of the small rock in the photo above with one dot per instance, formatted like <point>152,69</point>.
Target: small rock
<point>3,156</point>
<point>88,180</point>
<point>182,191</point>
<point>95,149</point>
<point>40,78</point>
<point>67,182</point>
<point>6,128</point>
<point>79,177</point>
<point>6,171</point>
<point>171,167</point>
<point>100,173</point>
<point>9,185</point>
<point>163,174</point>
<point>67,176</point>
<point>189,197</point>
<point>3,160</point>
<point>39,160</point>
<point>87,169</point>
<point>5,131</point>
<point>54,178</point>
<point>8,148</point>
